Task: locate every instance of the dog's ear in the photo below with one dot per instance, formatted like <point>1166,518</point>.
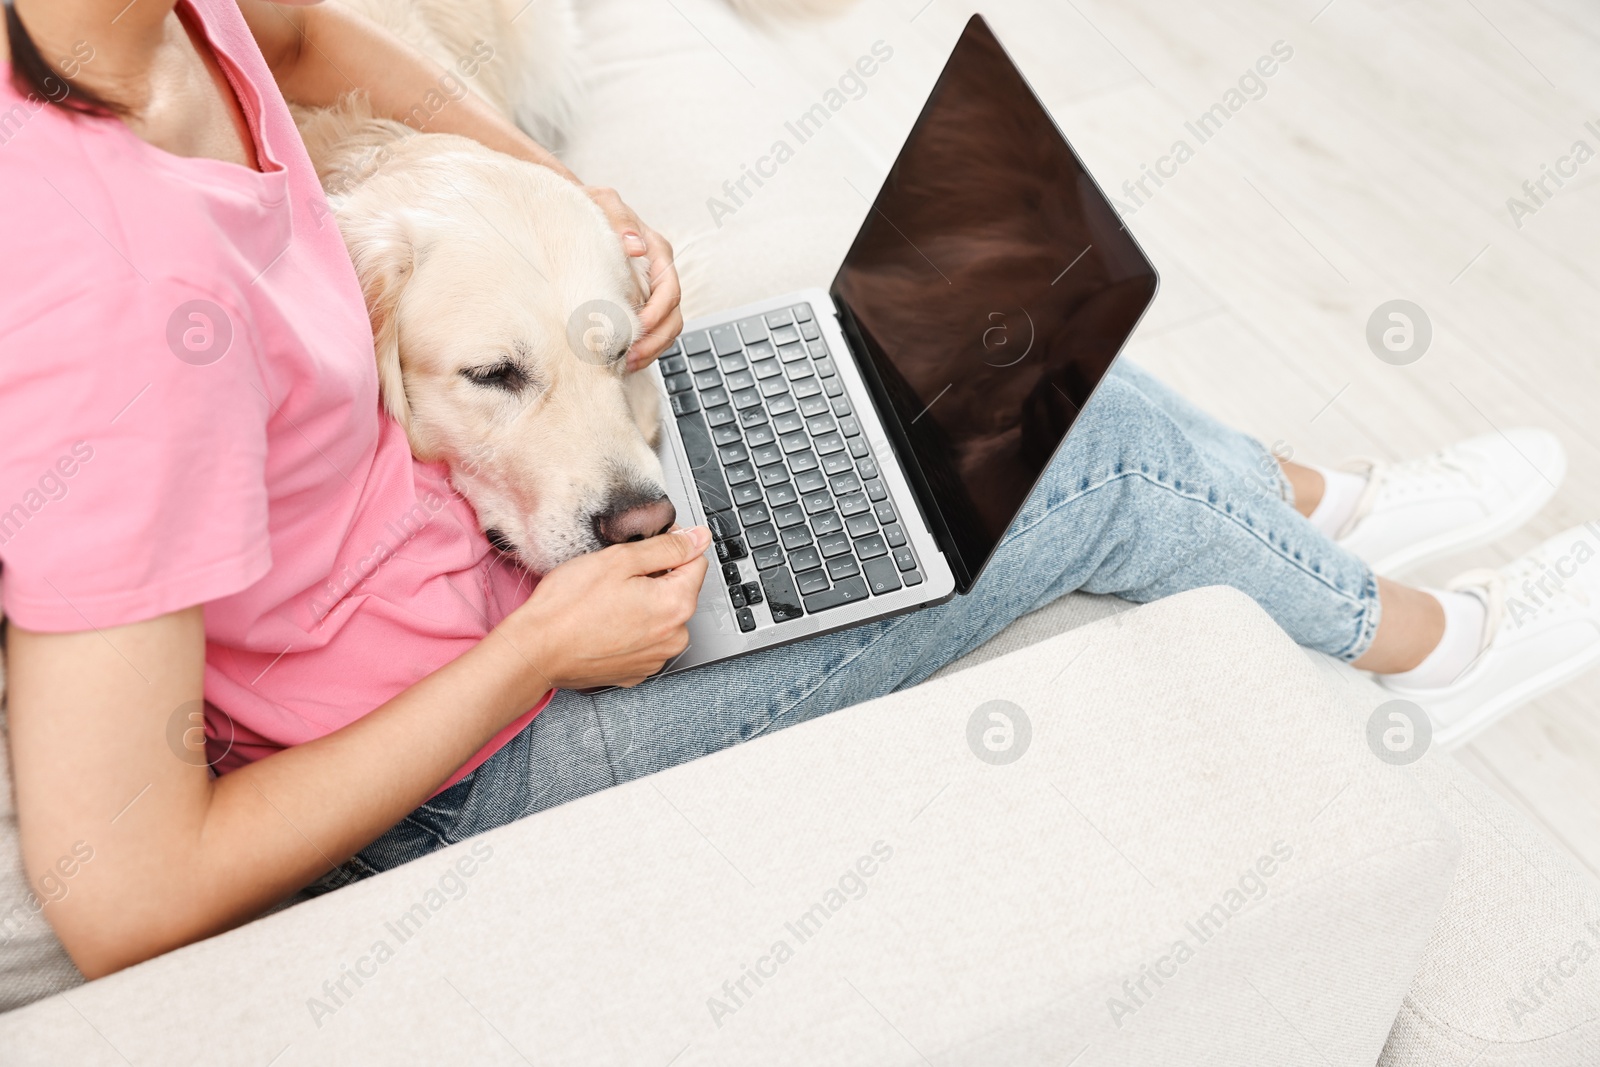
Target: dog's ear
<point>385,257</point>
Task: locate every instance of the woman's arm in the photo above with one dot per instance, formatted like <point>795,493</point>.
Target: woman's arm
<point>179,855</point>
<point>318,53</point>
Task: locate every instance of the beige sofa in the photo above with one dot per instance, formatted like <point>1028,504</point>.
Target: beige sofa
<point>1196,860</point>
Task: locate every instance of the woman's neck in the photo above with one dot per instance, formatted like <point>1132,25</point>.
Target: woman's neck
<point>127,40</point>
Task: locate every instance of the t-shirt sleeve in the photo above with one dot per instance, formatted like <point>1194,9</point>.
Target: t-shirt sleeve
<point>133,464</point>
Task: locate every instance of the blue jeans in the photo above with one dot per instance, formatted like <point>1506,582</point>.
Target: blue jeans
<point>1149,497</point>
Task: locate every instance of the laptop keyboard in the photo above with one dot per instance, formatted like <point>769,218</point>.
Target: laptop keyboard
<point>788,481</point>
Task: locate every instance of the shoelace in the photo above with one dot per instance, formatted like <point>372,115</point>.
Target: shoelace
<point>1377,473</point>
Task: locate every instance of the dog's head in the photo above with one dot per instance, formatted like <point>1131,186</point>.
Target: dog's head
<point>502,309</point>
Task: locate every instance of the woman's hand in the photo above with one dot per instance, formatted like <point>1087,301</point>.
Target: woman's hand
<point>613,617</point>
<point>660,315</point>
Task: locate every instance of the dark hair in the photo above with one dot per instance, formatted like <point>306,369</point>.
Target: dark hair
<point>33,76</point>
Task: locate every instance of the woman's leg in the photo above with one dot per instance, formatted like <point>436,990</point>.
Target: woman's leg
<point>1148,498</point>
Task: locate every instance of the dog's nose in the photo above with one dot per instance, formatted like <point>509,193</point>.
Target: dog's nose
<point>635,522</point>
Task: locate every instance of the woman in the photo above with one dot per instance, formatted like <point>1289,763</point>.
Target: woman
<point>194,445</point>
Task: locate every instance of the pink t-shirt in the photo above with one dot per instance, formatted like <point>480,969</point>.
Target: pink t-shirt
<point>189,404</point>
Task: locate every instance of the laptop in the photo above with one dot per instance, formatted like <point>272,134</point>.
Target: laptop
<point>860,451</point>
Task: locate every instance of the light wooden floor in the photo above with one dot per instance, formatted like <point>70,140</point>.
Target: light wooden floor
<point>1376,166</point>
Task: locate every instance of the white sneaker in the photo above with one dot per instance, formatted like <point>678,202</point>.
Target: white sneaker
<point>1542,631</point>
<point>1464,496</point>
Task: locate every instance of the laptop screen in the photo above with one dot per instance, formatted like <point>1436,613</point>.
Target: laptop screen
<point>987,293</point>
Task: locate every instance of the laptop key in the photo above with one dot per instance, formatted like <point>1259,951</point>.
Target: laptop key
<point>749,493</point>
<point>753,329</point>
<point>871,547</point>
<point>801,462</point>
<point>742,379</point>
<point>725,435</point>
<point>677,383</point>
<point>834,545</point>
<point>723,525</point>
<point>725,339</point>
<point>733,363</point>
<point>882,575</point>
<point>868,468</point>
<point>760,435</point>
<point>805,559</point>
<point>739,473</point>
<point>713,489</point>
<point>809,331</point>
<point>733,453</point>
<point>766,455</point>
<point>798,370</point>
<point>884,511</point>
<point>859,447</point>
<point>843,483</point>
<point>759,350</point>
<point>752,593</point>
<point>730,550</point>
<point>861,525</point>
<point>824,367</point>
<point>854,504</point>
<point>821,424</point>
<point>714,397</point>
<point>704,361</point>
<point>767,368</point>
<point>842,567</point>
<point>904,559</point>
<point>761,536</point>
<point>826,523</point>
<point>683,403</point>
<point>773,387</point>
<point>788,515</point>
<point>782,599</point>
<point>817,502</point>
<point>876,491</point>
<point>787,422</point>
<point>796,537</point>
<point>829,443</point>
<point>790,353</point>
<point>792,442</point>
<point>849,591</point>
<point>779,317</point>
<point>767,558</point>
<point>818,349</point>
<point>780,404</point>
<point>746,398</point>
<point>802,312</point>
<point>736,596</point>
<point>747,620</point>
<point>813,405</point>
<point>754,514</point>
<point>730,574</point>
<point>695,343</point>
<point>837,463</point>
<point>811,582</point>
<point>894,535</point>
<point>774,475</point>
<point>833,386</point>
<point>785,335</point>
<point>912,578</point>
<point>841,408</point>
<point>810,481</point>
<point>720,416</point>
<point>781,494</point>
<point>696,439</point>
<point>807,387</point>
<point>752,417</point>
<point>850,426</point>
<point>674,364</point>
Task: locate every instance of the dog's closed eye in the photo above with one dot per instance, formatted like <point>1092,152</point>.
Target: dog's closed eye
<point>506,375</point>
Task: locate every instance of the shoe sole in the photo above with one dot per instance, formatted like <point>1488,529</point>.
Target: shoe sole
<point>1486,532</point>
<point>1510,700</point>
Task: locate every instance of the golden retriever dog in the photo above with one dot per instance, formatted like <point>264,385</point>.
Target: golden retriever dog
<point>502,303</point>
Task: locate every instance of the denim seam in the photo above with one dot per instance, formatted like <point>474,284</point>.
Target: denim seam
<point>1366,628</point>
<point>856,654</point>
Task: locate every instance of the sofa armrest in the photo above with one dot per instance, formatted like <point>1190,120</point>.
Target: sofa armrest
<point>865,889</point>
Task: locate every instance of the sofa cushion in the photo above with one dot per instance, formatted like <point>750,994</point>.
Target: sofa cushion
<point>897,895</point>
